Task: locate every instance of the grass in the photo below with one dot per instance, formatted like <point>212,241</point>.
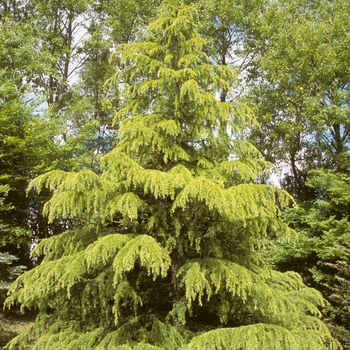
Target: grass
<point>11,325</point>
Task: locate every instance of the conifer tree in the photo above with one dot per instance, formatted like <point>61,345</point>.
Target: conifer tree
<point>167,256</point>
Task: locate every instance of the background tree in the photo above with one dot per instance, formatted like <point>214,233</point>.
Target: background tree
<point>22,148</point>
<point>321,254</point>
<point>9,270</point>
<point>80,36</point>
<point>302,96</point>
<point>339,296</point>
<point>8,273</point>
<point>167,255</point>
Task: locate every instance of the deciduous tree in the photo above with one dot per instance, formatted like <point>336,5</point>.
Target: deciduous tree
<point>301,98</point>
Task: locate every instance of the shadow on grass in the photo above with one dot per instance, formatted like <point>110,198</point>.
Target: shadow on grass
<point>13,324</point>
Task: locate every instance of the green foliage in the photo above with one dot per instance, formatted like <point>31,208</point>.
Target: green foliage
<point>322,252</point>
<point>301,92</point>
<point>258,336</point>
<point>8,271</point>
<point>168,252</point>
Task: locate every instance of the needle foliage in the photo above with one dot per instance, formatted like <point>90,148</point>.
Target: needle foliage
<point>167,255</point>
